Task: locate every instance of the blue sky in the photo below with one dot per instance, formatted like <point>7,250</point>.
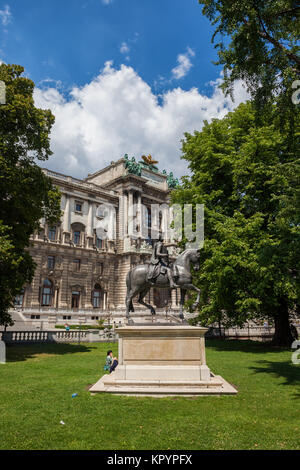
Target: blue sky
<point>100,46</point>
<point>70,40</point>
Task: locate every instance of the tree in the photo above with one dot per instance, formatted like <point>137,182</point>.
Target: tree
<point>26,193</point>
<point>247,176</point>
<point>264,47</point>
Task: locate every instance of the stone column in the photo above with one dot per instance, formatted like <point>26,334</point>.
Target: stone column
<point>66,218</point>
<point>120,292</point>
<point>140,214</point>
<point>130,211</point>
<point>125,215</point>
<point>55,297</point>
<point>121,216</point>
<point>90,220</point>
<point>90,226</point>
<point>59,233</point>
<point>155,219</point>
<point>105,300</point>
<point>171,215</point>
<point>64,284</point>
<point>46,230</point>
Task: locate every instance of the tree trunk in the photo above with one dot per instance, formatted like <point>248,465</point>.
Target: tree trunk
<point>283,336</point>
<point>220,329</point>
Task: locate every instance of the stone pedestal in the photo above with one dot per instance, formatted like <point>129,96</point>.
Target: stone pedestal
<point>162,361</point>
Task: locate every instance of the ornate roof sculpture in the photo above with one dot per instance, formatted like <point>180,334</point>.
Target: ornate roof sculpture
<point>132,166</point>
<point>148,163</point>
<point>172,182</point>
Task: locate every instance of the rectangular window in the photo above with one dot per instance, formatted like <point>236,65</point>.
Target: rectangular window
<point>47,297</point>
<point>75,299</point>
<point>96,299</point>
<point>76,265</point>
<point>47,293</point>
<point>149,218</point>
<point>78,207</point>
<point>52,234</point>
<point>149,223</point>
<point>99,243</point>
<point>77,238</point>
<point>51,262</point>
<point>35,317</point>
<point>19,299</point>
<point>65,317</point>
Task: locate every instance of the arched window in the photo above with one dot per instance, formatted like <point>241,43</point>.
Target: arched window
<point>97,297</point>
<point>19,299</point>
<point>47,293</point>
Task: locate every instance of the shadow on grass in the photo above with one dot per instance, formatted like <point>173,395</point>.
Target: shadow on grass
<point>246,346</point>
<point>23,352</point>
<point>286,370</point>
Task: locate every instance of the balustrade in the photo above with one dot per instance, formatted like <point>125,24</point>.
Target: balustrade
<point>59,336</point>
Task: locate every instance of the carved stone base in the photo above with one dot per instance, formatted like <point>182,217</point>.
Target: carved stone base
<point>162,361</point>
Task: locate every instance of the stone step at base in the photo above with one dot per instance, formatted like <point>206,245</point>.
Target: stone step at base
<point>163,383</point>
<point>160,393</point>
<point>218,386</point>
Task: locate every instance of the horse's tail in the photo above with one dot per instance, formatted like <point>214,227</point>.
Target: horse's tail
<point>128,284</point>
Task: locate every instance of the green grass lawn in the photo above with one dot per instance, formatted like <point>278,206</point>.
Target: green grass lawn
<point>37,383</point>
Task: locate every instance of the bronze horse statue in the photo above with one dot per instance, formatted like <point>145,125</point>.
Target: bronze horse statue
<point>137,282</point>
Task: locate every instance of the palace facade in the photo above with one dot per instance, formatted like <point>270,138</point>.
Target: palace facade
<point>105,230</point>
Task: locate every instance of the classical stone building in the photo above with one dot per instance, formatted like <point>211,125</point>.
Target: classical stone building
<point>105,230</point>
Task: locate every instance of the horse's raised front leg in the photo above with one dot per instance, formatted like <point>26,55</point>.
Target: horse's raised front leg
<point>192,287</point>
<point>141,300</point>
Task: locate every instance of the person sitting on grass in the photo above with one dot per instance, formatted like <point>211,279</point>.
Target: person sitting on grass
<point>111,362</point>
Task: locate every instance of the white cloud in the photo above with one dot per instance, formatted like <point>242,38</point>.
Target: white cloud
<point>184,64</point>
<point>107,2</point>
<point>124,49</point>
<point>117,113</point>
<point>5,15</point>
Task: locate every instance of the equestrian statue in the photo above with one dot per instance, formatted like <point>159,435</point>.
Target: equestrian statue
<point>160,273</point>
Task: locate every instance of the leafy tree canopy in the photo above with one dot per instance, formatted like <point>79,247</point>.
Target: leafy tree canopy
<point>264,46</point>
<point>247,176</point>
<point>26,193</point>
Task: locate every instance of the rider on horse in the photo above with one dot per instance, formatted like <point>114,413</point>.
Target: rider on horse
<point>159,263</point>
